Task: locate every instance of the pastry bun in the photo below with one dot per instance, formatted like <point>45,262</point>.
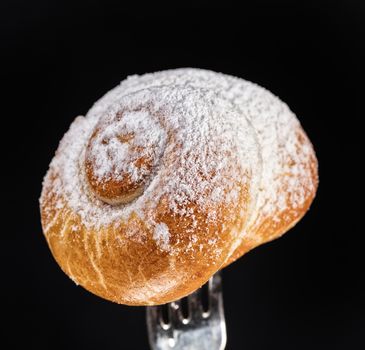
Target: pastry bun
<point>170,177</point>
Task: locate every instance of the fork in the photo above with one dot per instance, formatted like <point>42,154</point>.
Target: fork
<point>201,329</point>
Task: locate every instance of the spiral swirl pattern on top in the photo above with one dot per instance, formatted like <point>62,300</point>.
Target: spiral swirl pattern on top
<point>170,176</point>
<point>122,154</point>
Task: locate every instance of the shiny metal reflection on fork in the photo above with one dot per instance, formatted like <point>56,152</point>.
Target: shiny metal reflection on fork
<point>195,322</point>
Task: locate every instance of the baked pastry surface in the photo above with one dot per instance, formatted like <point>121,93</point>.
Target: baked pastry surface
<point>170,177</point>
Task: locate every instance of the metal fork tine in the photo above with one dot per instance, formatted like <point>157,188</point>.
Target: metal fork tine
<point>175,314</point>
<point>152,314</point>
<point>154,326</point>
<point>215,294</point>
<point>195,305</point>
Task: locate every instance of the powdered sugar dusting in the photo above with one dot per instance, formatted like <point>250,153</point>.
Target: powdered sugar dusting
<point>162,235</point>
<point>204,133</point>
<point>122,142</point>
<point>285,161</point>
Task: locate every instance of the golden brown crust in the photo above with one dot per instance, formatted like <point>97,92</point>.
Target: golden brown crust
<point>137,273</point>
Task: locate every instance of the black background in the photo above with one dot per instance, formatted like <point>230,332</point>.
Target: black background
<point>302,291</point>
